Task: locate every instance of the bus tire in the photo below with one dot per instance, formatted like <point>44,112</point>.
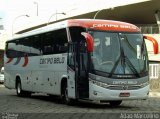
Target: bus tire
<point>20,92</point>
<point>65,98</point>
<point>115,103</point>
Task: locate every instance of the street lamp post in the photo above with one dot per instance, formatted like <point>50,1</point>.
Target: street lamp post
<point>100,11</point>
<point>16,19</point>
<point>56,16</point>
<point>36,3</point>
<point>97,13</point>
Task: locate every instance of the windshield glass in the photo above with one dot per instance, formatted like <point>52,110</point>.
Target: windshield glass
<point>106,51</point>
<point>119,53</point>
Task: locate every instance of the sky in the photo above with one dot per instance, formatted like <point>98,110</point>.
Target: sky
<point>12,12</point>
<point>10,9</point>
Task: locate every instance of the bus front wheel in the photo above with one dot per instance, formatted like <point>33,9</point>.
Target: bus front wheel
<point>65,98</point>
<point>115,103</point>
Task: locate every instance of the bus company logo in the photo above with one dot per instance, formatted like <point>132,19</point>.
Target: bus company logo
<point>18,60</point>
<point>114,26</point>
<point>55,60</point>
<point>124,87</point>
<point>105,25</point>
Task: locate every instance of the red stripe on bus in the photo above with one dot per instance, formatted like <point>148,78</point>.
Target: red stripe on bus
<point>25,61</point>
<point>9,60</point>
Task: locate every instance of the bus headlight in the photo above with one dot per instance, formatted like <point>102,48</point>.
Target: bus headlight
<point>104,85</point>
<point>144,84</point>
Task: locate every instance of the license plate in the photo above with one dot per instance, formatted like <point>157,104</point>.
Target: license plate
<point>124,94</point>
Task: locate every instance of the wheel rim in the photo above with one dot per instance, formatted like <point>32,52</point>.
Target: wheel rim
<point>19,88</point>
<point>66,95</point>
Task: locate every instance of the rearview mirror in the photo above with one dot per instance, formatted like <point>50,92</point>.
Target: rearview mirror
<point>155,43</point>
<point>89,40</point>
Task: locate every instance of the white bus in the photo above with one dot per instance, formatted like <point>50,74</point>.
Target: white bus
<point>80,59</point>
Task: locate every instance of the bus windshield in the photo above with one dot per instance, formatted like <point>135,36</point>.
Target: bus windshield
<point>119,54</point>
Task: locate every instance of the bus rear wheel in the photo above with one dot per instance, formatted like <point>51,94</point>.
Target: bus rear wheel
<point>19,90</point>
<point>115,103</point>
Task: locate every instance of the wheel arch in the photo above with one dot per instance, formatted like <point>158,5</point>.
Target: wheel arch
<point>63,82</point>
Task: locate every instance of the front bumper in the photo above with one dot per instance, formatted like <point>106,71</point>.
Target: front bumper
<point>103,94</point>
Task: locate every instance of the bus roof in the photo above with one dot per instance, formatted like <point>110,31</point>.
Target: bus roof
<point>94,24</point>
<point>108,25</point>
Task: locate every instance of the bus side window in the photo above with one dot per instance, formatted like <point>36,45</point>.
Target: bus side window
<point>48,49</point>
<point>47,43</point>
<point>61,41</point>
<point>55,42</point>
<point>11,50</point>
<point>35,47</point>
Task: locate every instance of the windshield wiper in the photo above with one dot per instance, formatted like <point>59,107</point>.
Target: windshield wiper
<point>123,57</point>
<point>124,60</point>
<point>130,65</point>
<point>115,66</point>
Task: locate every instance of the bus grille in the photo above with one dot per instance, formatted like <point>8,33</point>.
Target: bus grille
<point>124,87</point>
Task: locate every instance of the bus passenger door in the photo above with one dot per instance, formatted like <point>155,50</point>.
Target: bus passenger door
<point>71,72</point>
<point>82,78</point>
<point>78,84</point>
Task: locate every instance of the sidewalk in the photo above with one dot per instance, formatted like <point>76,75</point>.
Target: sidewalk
<point>154,94</point>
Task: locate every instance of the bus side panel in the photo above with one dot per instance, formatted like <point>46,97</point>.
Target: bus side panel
<point>52,72</point>
<point>49,82</point>
<point>27,80</point>
<point>9,80</point>
<point>39,74</point>
<point>35,81</point>
<point>9,73</point>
